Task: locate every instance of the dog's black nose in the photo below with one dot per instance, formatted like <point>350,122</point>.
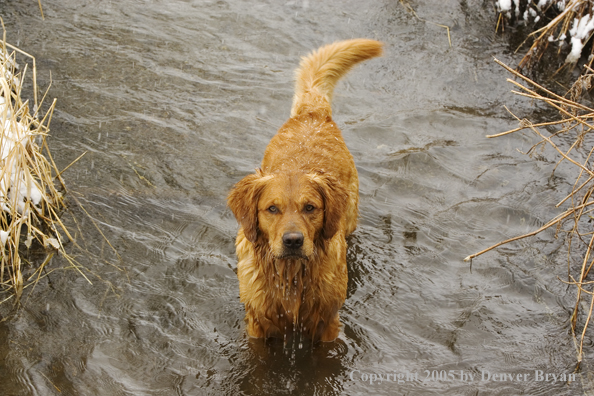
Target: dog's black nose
<point>293,240</point>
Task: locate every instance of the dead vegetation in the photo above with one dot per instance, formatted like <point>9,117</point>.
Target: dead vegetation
<point>31,187</point>
<point>566,34</point>
<point>575,121</point>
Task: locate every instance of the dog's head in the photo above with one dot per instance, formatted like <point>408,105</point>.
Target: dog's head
<point>290,211</point>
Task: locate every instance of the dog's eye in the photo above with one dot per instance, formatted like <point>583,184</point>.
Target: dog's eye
<point>273,209</point>
<point>309,208</point>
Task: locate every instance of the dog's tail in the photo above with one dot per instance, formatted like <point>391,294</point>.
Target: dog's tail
<point>320,71</point>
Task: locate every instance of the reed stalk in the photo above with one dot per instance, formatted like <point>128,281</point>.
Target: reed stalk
<point>31,199</point>
<point>575,120</point>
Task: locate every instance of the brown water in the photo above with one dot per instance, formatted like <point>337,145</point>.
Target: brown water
<point>175,101</point>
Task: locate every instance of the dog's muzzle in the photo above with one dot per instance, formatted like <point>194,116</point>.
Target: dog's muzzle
<point>292,243</point>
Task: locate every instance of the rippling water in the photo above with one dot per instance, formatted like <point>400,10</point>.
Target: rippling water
<point>174,101</point>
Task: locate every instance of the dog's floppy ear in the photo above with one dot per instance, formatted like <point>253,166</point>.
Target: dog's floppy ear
<point>335,198</point>
<point>243,201</point>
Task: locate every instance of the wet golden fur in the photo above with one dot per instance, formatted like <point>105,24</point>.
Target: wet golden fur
<point>297,209</point>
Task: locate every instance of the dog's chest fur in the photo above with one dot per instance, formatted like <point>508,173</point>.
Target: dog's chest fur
<point>291,295</point>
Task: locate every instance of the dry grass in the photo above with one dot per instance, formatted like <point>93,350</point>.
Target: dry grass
<point>575,121</point>
<point>563,32</point>
<point>30,202</point>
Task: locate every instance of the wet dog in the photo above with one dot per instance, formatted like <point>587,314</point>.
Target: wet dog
<point>297,209</point>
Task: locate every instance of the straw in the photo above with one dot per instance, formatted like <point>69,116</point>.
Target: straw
<point>575,120</point>
<point>568,29</point>
<point>30,203</point>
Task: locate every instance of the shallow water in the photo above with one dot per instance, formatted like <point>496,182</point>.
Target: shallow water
<point>174,101</point>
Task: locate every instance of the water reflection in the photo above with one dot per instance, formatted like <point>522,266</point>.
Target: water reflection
<point>273,367</point>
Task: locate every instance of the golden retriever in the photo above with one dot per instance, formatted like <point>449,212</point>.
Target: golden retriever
<point>297,209</point>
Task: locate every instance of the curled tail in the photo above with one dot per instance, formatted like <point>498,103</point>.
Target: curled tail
<point>320,71</point>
